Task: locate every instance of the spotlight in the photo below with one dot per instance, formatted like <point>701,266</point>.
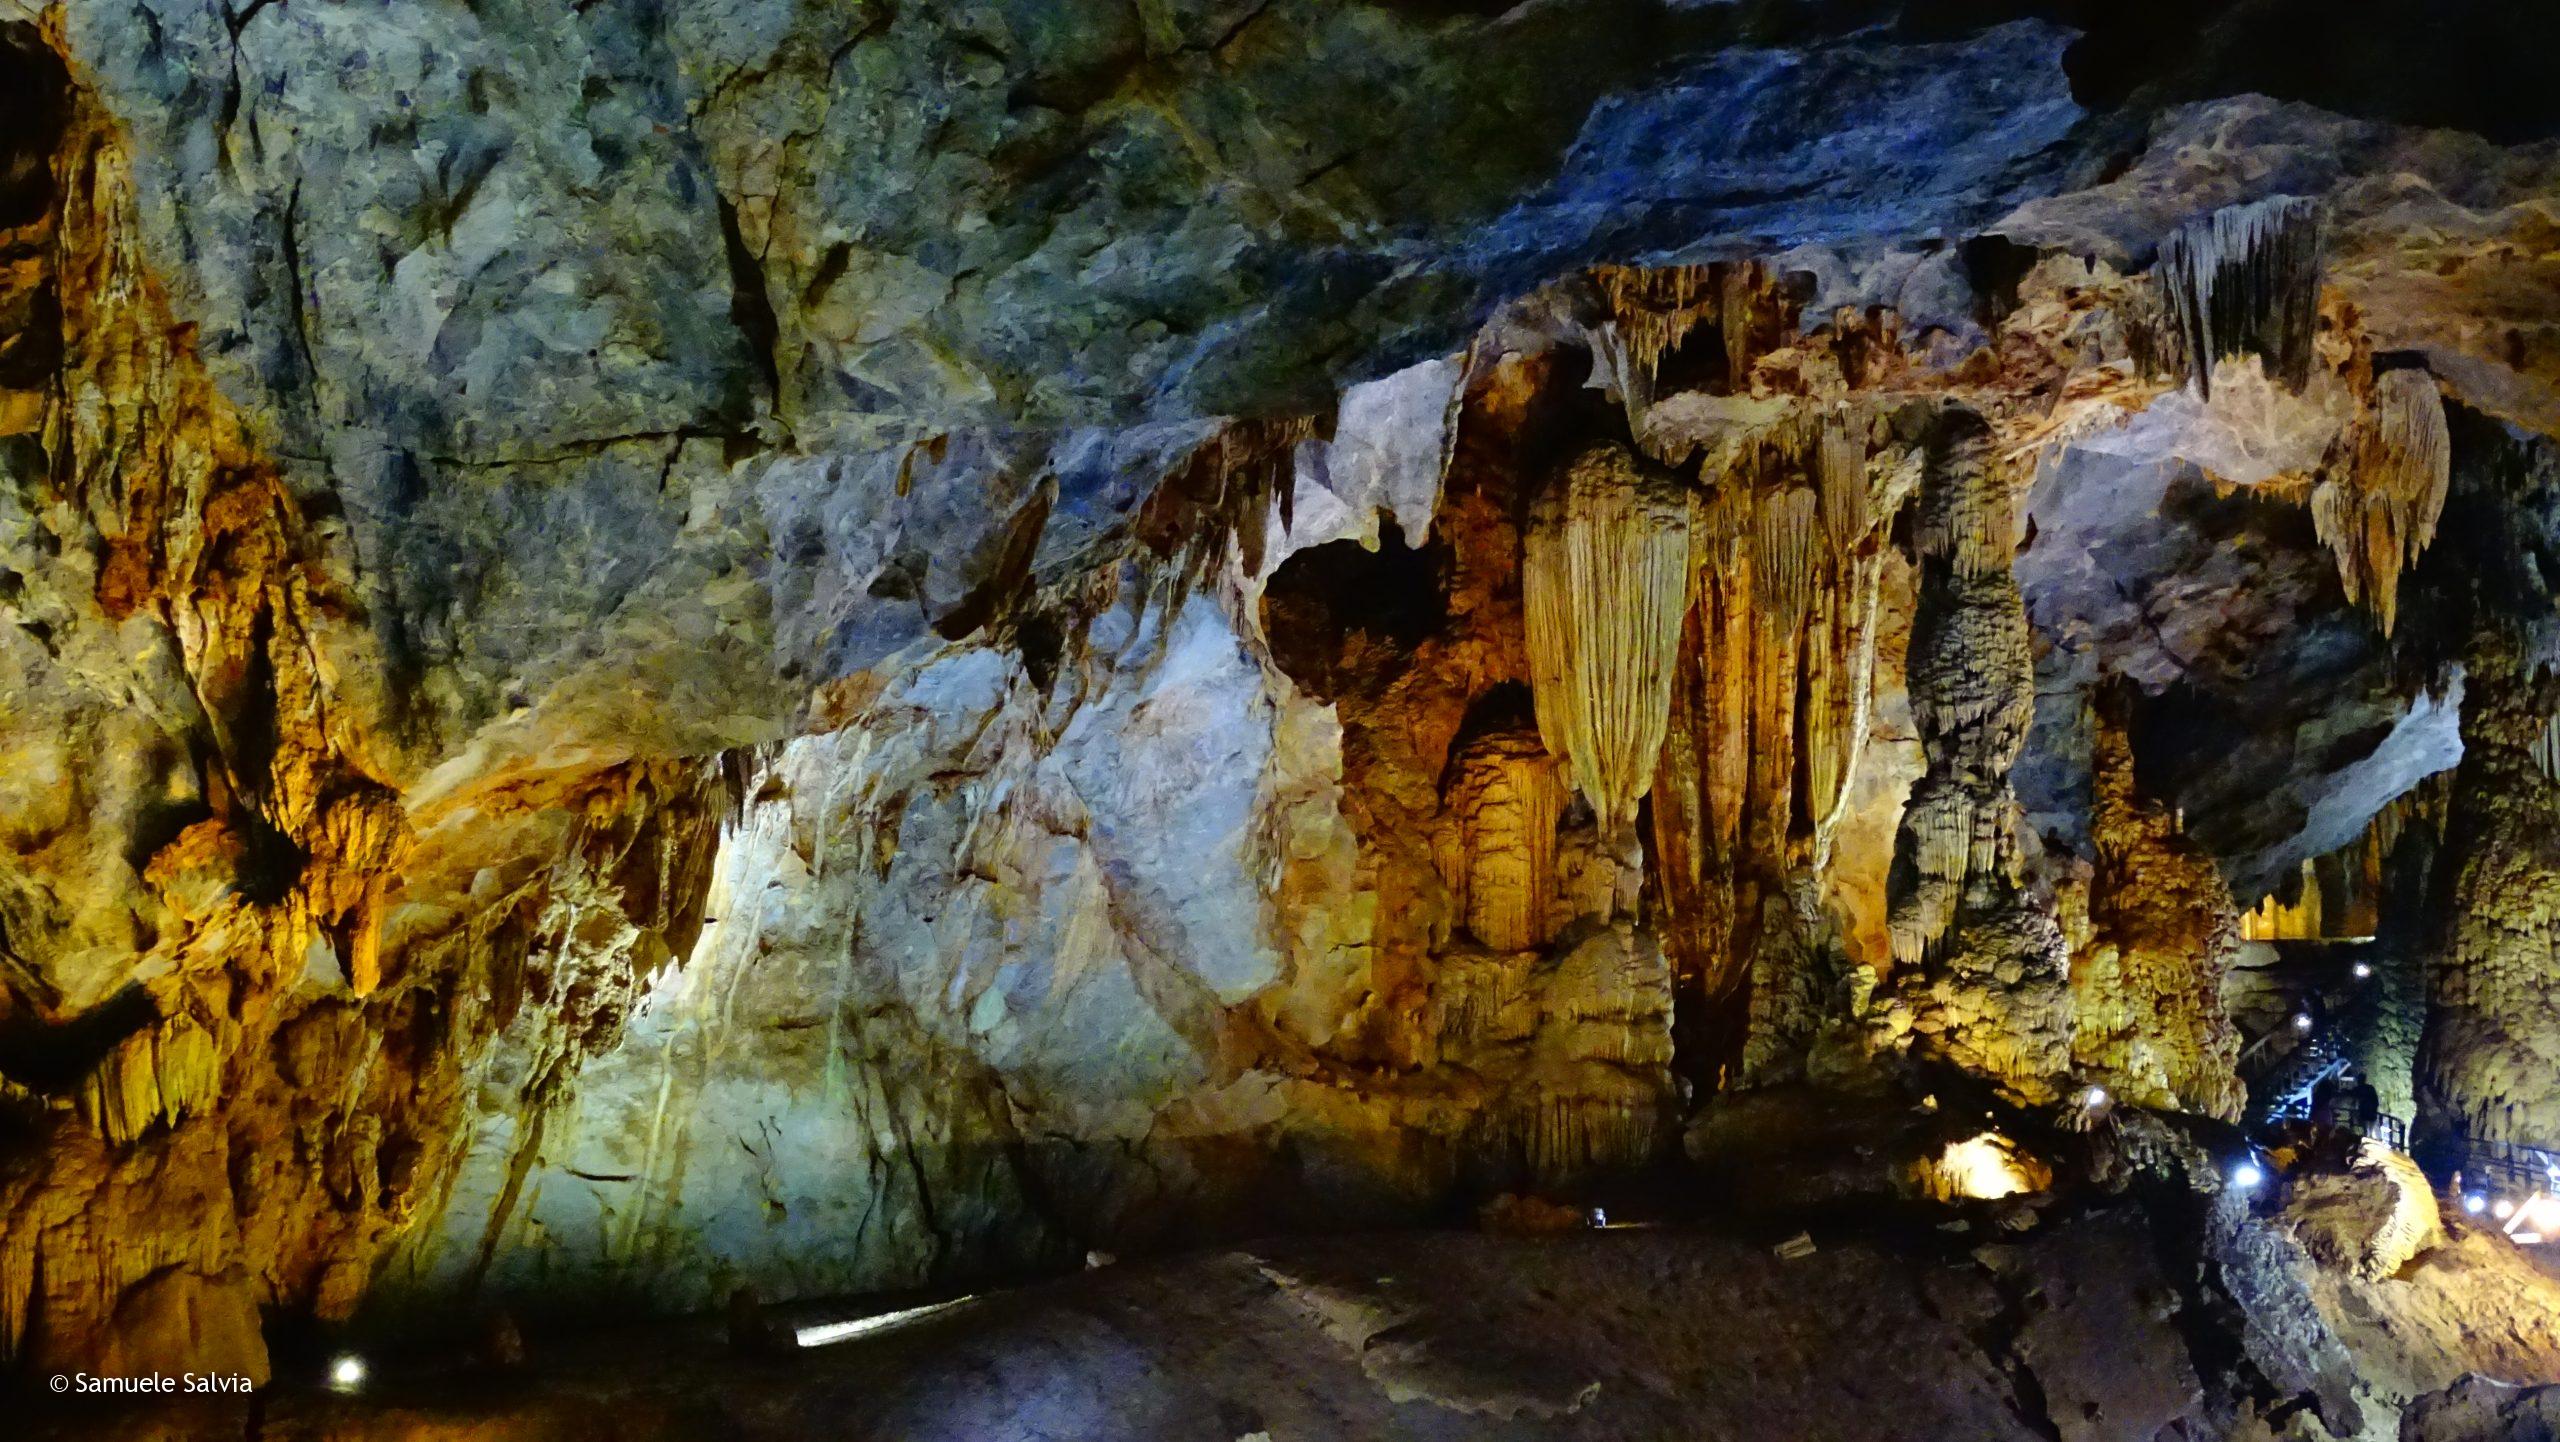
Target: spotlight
<point>2364,971</point>
<point>2094,1098</point>
<point>347,1373</point>
<point>1599,1217</point>
<point>2502,1209</point>
<point>2247,1176</point>
<point>2474,1203</point>
<point>2302,1021</point>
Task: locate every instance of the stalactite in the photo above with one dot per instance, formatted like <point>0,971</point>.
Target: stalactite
<point>2245,280</point>
<point>1755,316</point>
<point>1655,308</point>
<point>157,1075</point>
<point>1606,579</point>
<point>1770,702</point>
<point>1786,546</point>
<point>2379,513</point>
<point>1504,798</point>
<point>1841,477</point>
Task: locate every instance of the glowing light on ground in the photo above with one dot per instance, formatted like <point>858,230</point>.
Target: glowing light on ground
<point>347,1373</point>
<point>1982,1167</point>
<point>824,1333</point>
<point>2538,1217</point>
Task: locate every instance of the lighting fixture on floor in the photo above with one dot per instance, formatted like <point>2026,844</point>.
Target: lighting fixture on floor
<point>347,1373</point>
<point>826,1332</point>
<point>2536,1218</point>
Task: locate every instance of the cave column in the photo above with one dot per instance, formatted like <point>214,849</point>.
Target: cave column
<point>2489,1060</point>
<point>2147,1013</point>
<point>1981,968</point>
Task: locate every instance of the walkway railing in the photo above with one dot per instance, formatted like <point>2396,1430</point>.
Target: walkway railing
<point>2391,1131</point>
<point>2509,1166</point>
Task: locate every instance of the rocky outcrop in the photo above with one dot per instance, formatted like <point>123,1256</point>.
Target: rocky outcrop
<point>2477,1409</point>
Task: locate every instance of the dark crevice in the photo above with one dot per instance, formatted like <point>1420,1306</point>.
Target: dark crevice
<point>750,308</point>
<point>1341,613</point>
<point>53,1056</point>
<point>2487,66</point>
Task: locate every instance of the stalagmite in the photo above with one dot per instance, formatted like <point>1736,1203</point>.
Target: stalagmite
<point>1505,796</point>
<point>1981,979</point>
<point>2147,1011</point>
<point>2489,1065</point>
<point>1606,578</point>
<point>2380,514</point>
<point>2245,280</point>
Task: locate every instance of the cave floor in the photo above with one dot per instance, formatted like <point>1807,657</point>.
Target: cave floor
<point>2086,1329</point>
<point>1622,1334</point>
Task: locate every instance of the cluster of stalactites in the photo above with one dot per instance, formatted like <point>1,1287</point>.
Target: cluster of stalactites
<point>2546,749</point>
<point>1770,701</point>
<point>2336,897</point>
<point>1655,308</point>
<point>2378,513</point>
<point>1504,798</point>
<point>2292,912</point>
<point>2244,280</point>
<point>1654,311</point>
<point>158,1074</point>
<point>1606,581</point>
<point>1224,493</point>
